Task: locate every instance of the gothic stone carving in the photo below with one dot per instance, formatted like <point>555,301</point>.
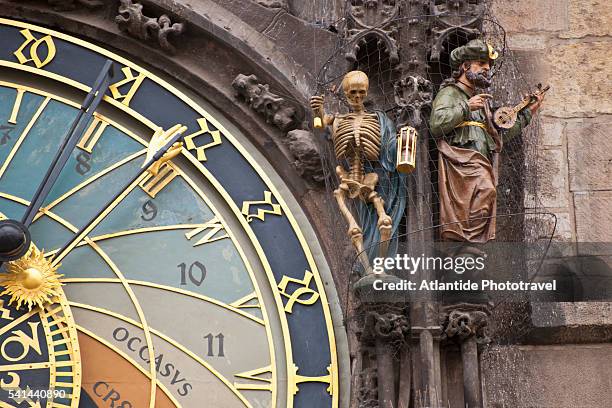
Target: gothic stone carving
<point>302,145</point>
<point>373,18</point>
<point>368,395</point>
<point>391,326</point>
<point>274,3</point>
<point>412,95</point>
<point>274,108</point>
<point>131,20</point>
<point>462,321</point>
<point>451,16</point>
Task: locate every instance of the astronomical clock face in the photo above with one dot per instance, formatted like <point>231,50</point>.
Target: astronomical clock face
<point>198,287</point>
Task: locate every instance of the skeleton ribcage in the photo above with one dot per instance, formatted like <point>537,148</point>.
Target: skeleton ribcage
<point>362,139</point>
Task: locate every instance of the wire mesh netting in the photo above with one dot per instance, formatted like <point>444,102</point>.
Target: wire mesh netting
<point>517,189</point>
<point>520,217</point>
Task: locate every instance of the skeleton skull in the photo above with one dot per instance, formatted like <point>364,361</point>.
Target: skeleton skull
<point>355,86</point>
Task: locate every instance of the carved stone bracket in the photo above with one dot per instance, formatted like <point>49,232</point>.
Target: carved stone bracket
<point>283,114</point>
<point>383,331</point>
<point>373,19</point>
<point>132,21</point>
<point>462,321</point>
<point>413,94</point>
<point>275,109</point>
<point>385,322</point>
<point>452,16</point>
<point>303,146</point>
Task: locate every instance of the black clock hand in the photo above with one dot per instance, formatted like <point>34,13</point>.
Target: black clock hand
<point>14,240</point>
<point>90,104</point>
<point>150,166</point>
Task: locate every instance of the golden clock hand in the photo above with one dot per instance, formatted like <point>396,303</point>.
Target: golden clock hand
<point>171,149</point>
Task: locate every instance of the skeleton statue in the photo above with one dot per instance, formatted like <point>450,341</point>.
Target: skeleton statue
<point>360,138</point>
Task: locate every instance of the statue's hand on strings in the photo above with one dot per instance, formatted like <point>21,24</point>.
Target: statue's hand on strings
<point>477,101</point>
<point>535,106</point>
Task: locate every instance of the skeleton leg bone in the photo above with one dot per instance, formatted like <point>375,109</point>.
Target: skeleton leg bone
<point>354,231</point>
<point>385,223</point>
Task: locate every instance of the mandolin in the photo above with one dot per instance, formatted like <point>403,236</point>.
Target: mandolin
<point>505,117</point>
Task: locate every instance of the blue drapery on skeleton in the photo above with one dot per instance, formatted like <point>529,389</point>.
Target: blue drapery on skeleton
<point>391,187</point>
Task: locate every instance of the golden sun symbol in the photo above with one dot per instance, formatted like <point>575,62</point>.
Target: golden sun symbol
<point>31,280</point>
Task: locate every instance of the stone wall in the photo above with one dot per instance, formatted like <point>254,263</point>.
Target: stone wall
<point>567,44</point>
<point>567,376</point>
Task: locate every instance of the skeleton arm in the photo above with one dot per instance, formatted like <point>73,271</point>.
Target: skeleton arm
<point>316,104</point>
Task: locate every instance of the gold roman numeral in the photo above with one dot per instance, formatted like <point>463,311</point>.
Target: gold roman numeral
<point>152,185</point>
<point>31,45</point>
<point>134,83</point>
<point>247,302</point>
<point>204,131</point>
<point>261,213</point>
<point>24,341</point>
<point>211,227</point>
<point>16,106</point>
<point>92,134</point>
<point>262,378</point>
<point>4,313</point>
<point>299,379</point>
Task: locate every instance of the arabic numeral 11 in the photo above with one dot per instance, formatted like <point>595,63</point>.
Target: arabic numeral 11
<point>211,344</point>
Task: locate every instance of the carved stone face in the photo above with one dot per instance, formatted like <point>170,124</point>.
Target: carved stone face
<point>356,93</point>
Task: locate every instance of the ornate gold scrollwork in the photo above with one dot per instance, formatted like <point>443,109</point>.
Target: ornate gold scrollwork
<point>261,214</point>
<point>34,43</point>
<point>26,342</point>
<point>303,290</point>
<point>204,129</point>
<point>135,81</point>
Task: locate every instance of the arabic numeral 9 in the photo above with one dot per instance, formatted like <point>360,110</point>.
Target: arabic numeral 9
<point>149,211</point>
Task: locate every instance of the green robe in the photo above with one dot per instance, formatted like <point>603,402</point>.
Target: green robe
<point>450,108</point>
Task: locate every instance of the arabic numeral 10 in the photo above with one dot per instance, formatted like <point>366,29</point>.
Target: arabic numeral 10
<point>196,273</point>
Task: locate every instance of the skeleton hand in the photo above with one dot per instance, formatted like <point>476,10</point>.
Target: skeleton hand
<point>316,104</point>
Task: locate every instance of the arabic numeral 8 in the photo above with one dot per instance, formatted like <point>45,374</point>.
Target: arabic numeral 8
<point>83,166</point>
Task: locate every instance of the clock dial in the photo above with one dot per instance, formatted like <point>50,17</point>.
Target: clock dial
<point>199,281</point>
<point>40,362</point>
